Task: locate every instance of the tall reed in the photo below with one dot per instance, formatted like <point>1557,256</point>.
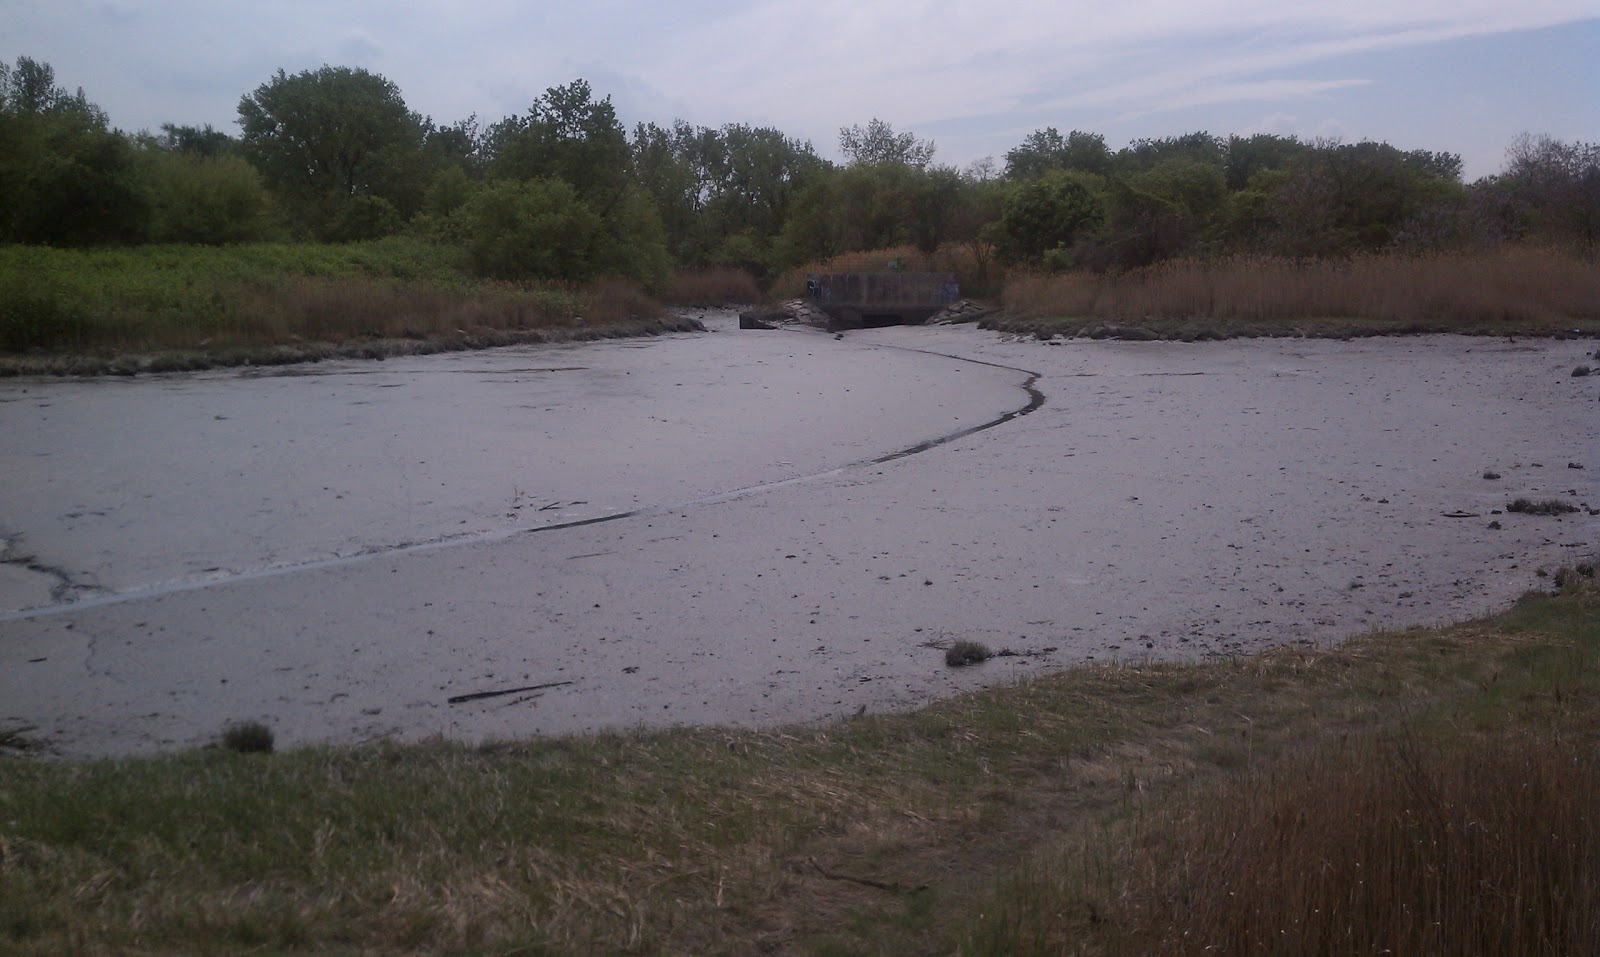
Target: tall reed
<point>1380,847</point>
<point>1506,285</point>
<point>718,286</point>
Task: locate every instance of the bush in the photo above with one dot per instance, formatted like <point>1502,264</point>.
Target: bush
<point>362,217</point>
<point>210,200</point>
<point>538,229</point>
<point>248,737</point>
<point>1048,213</point>
<point>964,653</point>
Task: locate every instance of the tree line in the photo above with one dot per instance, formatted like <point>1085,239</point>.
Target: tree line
<point>563,191</point>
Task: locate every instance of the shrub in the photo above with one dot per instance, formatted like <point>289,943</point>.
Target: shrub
<point>539,229</point>
<point>964,653</point>
<point>248,737</point>
<point>363,217</point>
<point>211,199</point>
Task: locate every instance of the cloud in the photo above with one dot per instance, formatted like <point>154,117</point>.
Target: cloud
<point>979,71</point>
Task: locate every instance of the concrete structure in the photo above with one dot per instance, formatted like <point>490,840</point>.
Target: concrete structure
<point>855,300</point>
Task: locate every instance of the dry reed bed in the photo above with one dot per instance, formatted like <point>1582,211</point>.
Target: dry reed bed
<point>713,287</point>
<point>1380,846</point>
<point>1499,291</point>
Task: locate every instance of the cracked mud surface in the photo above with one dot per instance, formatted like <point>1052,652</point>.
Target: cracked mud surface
<point>727,527</point>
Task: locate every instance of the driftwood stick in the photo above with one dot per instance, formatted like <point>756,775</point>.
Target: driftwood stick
<point>477,695</point>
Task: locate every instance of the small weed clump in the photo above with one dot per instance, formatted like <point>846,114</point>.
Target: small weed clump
<point>1549,506</point>
<point>1576,576</point>
<point>248,737</point>
<point>964,653</point>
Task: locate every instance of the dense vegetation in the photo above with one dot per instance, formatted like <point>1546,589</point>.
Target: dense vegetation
<point>557,198</point>
<point>564,192</point>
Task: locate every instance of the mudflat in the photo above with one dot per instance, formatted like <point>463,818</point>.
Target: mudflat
<point>748,528</point>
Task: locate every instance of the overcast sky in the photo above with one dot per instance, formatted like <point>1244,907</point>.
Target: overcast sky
<point>1464,76</point>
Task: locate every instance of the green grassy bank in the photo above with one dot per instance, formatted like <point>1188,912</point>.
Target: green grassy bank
<point>1421,791</point>
<point>159,308</point>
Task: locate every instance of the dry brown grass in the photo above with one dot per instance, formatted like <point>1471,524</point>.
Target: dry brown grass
<point>335,310</point>
<point>713,287</point>
<point>1503,290</point>
<point>1378,846</point>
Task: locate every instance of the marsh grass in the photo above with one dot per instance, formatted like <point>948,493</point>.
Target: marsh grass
<point>214,299</point>
<point>1038,816</point>
<point>713,287</point>
<point>1499,291</point>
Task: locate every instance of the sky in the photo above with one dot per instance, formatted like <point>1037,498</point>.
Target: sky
<point>1462,76</point>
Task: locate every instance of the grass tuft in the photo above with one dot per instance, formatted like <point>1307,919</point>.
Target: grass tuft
<point>248,737</point>
<point>964,653</point>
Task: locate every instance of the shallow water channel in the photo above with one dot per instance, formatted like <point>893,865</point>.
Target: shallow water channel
<point>746,527</point>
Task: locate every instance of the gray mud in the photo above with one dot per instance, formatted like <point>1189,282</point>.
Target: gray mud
<point>725,527</point>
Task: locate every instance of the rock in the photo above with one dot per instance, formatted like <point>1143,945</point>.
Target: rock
<point>762,319</point>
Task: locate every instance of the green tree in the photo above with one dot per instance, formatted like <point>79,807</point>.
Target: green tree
<point>1340,199</point>
<point>1200,147</point>
<point>537,229</point>
<point>203,141</point>
<point>877,142</point>
<point>1047,149</point>
<point>1245,156</point>
<point>1160,212</point>
<point>1550,189</point>
<point>1049,213</point>
<point>874,204</point>
<point>935,203</point>
<point>320,137</point>
<point>198,198</point>
<point>568,135</point>
<point>66,177</point>
<point>665,173</point>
